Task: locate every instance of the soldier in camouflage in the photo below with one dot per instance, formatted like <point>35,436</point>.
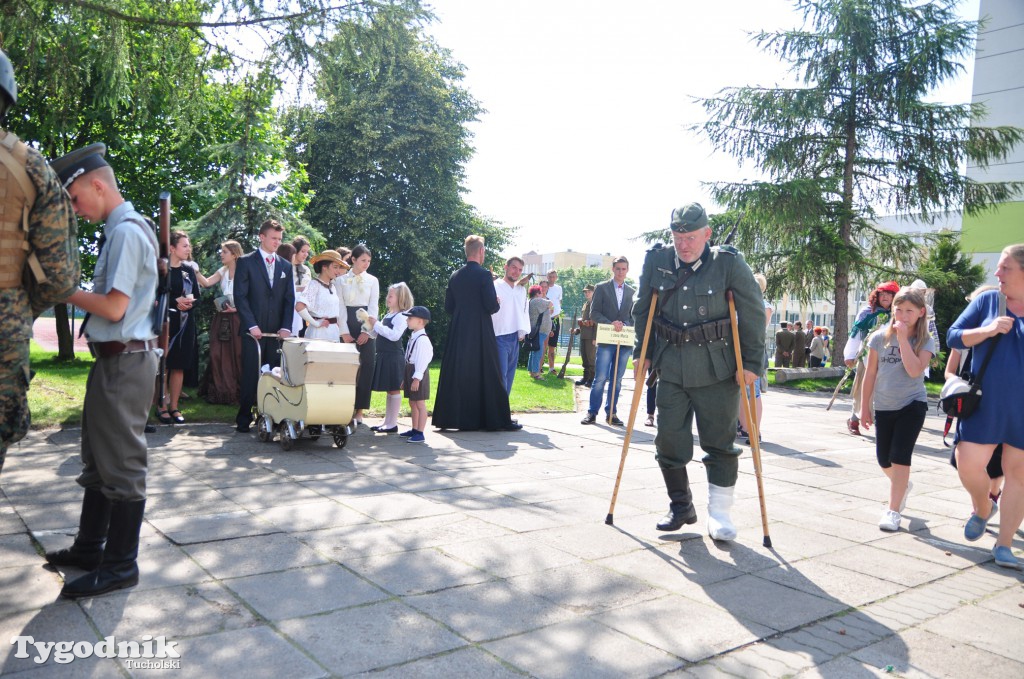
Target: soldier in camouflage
<point>38,259</point>
<point>694,357</point>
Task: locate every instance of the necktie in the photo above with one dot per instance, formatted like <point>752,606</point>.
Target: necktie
<point>270,268</point>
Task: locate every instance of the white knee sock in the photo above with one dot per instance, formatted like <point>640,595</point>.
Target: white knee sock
<point>391,410</point>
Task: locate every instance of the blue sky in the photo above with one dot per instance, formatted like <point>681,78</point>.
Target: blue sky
<point>585,142</point>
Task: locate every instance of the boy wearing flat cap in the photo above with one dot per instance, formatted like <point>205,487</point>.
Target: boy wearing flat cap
<point>694,357</point>
<point>120,327</point>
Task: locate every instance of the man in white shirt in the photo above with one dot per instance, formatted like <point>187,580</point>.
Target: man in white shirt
<point>555,296</point>
<point>511,322</point>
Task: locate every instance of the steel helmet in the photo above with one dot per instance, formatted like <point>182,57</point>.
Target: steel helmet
<point>7,83</point>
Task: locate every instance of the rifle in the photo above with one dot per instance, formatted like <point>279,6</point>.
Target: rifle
<point>572,338</point>
<point>163,236</point>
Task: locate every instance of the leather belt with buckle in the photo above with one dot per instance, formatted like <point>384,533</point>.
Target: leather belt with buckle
<point>108,349</point>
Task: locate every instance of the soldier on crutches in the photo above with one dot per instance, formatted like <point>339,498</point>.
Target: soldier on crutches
<point>693,354</point>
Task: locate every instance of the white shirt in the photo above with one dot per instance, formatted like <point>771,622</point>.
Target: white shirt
<point>359,290</point>
<point>268,267</point>
<point>227,282</point>
<point>619,289</point>
<point>511,315</point>
<point>419,352</point>
<point>555,296</point>
<point>399,322</point>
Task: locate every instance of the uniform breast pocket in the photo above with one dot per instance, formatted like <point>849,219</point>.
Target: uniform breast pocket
<point>703,310</point>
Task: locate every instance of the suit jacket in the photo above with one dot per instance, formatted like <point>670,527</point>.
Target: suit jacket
<point>605,309</point>
<point>268,307</point>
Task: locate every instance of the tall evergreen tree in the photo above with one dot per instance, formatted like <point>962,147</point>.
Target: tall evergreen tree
<point>855,139</point>
<point>385,152</point>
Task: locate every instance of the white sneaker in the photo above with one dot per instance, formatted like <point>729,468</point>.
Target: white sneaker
<point>890,521</point>
<point>903,504</point>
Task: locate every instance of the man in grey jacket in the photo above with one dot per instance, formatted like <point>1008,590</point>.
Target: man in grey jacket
<point>612,305</point>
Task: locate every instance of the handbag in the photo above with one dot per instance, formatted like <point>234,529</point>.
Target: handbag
<point>532,341</point>
<point>960,397</point>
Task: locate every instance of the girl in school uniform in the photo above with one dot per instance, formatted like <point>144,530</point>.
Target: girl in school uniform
<point>389,367</point>
<point>898,355</point>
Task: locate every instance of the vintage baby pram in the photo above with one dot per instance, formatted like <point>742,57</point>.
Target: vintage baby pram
<point>312,393</point>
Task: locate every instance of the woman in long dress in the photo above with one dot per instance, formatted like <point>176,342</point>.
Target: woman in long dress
<point>359,290</point>
<point>318,305</point>
<point>223,372</point>
<point>181,349</point>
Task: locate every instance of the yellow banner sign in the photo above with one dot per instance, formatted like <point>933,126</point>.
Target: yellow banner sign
<point>606,335</point>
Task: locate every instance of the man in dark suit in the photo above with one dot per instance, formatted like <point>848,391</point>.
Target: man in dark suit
<point>612,305</point>
<point>471,391</point>
<point>799,344</point>
<point>265,298</point>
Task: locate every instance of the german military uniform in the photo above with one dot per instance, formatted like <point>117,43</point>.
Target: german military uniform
<point>693,354</point>
<point>119,391</point>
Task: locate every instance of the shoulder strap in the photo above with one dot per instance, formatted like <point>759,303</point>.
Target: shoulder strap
<point>14,157</point>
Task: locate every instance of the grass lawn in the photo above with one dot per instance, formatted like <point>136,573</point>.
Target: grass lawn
<point>828,384</point>
<point>57,392</point>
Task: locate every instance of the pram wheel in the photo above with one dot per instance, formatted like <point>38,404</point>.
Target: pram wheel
<point>314,433</point>
<point>264,428</point>
<point>340,439</point>
<point>287,442</point>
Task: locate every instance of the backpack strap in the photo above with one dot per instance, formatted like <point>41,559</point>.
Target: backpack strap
<point>14,158</point>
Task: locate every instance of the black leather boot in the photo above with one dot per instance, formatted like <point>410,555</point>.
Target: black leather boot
<point>681,509</point>
<point>118,568</point>
<point>87,550</point>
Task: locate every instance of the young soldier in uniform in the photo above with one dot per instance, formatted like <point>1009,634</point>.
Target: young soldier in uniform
<point>35,212</point>
<point>588,338</point>
<point>693,354</point>
<point>122,337</point>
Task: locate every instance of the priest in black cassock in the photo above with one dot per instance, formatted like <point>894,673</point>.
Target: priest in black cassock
<point>470,389</point>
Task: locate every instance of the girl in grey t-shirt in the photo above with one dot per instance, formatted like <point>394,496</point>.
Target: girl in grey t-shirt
<point>898,355</point>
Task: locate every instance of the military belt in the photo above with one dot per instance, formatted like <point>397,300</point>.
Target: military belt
<point>108,349</point>
<point>700,334</point>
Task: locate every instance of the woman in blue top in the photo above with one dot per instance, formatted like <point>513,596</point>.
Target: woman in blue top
<point>991,329</point>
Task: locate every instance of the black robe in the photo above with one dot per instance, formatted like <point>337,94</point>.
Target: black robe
<point>470,388</point>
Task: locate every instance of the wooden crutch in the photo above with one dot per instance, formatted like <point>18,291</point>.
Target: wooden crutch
<point>638,369</point>
<point>747,394</point>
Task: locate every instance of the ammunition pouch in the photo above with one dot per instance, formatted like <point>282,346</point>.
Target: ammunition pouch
<point>699,334</point>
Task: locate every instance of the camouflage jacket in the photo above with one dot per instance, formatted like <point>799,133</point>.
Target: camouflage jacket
<point>53,237</point>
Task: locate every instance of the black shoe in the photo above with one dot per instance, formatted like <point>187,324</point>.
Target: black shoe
<point>381,430</point>
<point>681,510</point>
<point>675,520</point>
<point>118,569</point>
<point>87,550</point>
<point>591,418</point>
<point>150,428</point>
<point>616,422</point>
<point>581,383</point>
<point>512,426</point>
<point>243,428</point>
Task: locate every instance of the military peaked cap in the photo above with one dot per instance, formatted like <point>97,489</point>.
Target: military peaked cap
<point>689,218</point>
<point>73,165</point>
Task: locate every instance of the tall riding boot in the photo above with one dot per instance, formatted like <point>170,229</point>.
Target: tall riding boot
<point>680,509</point>
<point>87,550</point>
<point>118,568</point>
<point>720,500</point>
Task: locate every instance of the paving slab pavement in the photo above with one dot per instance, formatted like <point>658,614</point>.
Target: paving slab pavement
<point>487,555</point>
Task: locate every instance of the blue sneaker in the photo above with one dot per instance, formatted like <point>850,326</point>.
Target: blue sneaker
<point>416,437</point>
<point>407,434</point>
<point>1004,557</point>
<point>975,527</point>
